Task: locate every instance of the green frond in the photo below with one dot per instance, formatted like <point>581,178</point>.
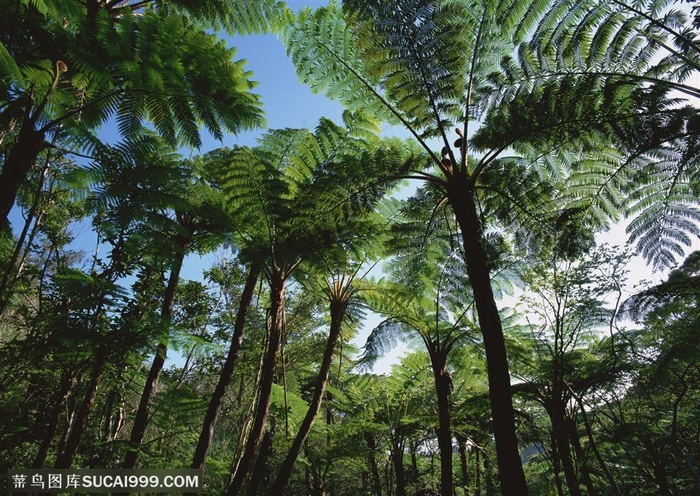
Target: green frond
<point>666,220</point>
<point>234,16</point>
<point>323,49</point>
<point>52,9</point>
<point>682,283</point>
<point>525,16</point>
<point>9,71</point>
<point>381,340</point>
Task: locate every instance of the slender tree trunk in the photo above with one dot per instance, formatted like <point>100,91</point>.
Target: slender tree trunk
<point>13,269</point>
<point>210,418</point>
<point>561,439</point>
<point>594,446</point>
<point>556,464</point>
<point>413,447</point>
<point>276,327</point>
<point>67,383</point>
<point>372,460</point>
<point>572,433</point>
<point>443,389</point>
<point>22,156</point>
<point>337,311</point>
<point>488,471</point>
<point>399,470</point>
<point>462,445</point>
<point>477,473</point>
<point>141,419</point>
<point>659,467</point>
<point>460,194</point>
<point>65,459</point>
<point>260,468</point>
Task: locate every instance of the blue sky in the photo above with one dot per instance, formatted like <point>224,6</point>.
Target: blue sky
<point>287,103</point>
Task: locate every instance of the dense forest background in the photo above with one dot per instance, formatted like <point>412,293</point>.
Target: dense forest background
<point>529,129</point>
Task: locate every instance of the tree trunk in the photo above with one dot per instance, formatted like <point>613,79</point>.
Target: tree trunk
<point>373,469</point>
<point>141,419</point>
<point>276,327</point>
<point>13,269</point>
<point>477,473</point>
<point>658,464</point>
<point>460,194</point>
<point>594,446</point>
<point>22,156</point>
<point>443,389</point>
<point>462,445</point>
<point>337,310</point>
<point>260,469</point>
<point>561,439</point>
<point>488,471</point>
<point>399,470</point>
<point>67,383</point>
<point>572,433</point>
<point>556,464</point>
<point>65,459</point>
<point>415,473</point>
<point>207,433</point>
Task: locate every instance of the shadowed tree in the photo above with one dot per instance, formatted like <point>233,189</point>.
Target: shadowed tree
<point>428,303</point>
<point>338,291</point>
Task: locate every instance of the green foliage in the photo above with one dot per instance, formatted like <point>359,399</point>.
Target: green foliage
<point>577,126</point>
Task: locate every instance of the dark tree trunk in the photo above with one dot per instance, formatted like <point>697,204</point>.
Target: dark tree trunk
<point>276,327</point>
<point>460,194</point>
<point>22,156</point>
<point>443,389</point>
<point>65,459</point>
<point>399,470</point>
<point>561,439</point>
<point>372,460</point>
<point>658,464</point>
<point>488,471</point>
<point>556,465</point>
<point>67,383</point>
<point>594,447</point>
<point>462,445</point>
<point>477,473</point>
<point>13,269</point>
<point>260,468</point>
<point>113,415</point>
<point>413,447</point>
<point>337,311</point>
<point>141,419</point>
<point>207,434</point>
<point>572,433</point>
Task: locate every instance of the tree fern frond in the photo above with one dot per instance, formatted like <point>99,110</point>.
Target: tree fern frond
<point>323,50</point>
<point>234,16</point>
<point>382,339</point>
<point>9,70</point>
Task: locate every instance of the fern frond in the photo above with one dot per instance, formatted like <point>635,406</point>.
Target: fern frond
<point>9,70</point>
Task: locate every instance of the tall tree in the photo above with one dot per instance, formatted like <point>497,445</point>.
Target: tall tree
<point>300,193</point>
<point>188,217</point>
<point>339,291</point>
<point>431,66</point>
<point>566,312</point>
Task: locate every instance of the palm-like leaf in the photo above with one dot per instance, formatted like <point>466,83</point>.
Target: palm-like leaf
<point>625,44</point>
<point>304,191</point>
<point>453,62</point>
